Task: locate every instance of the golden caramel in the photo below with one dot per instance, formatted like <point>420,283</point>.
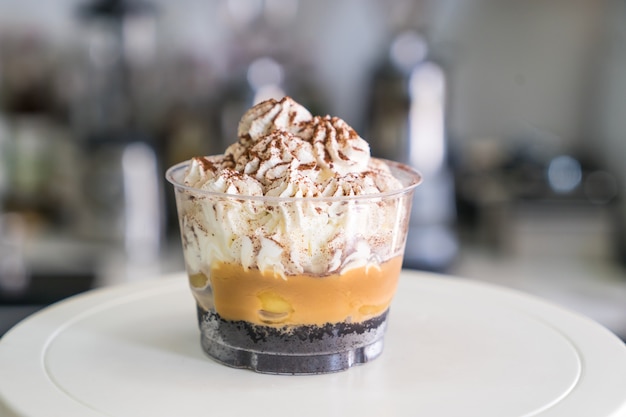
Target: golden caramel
<point>266,298</point>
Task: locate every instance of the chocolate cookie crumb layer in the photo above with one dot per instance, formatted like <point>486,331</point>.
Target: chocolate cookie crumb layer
<point>308,349</point>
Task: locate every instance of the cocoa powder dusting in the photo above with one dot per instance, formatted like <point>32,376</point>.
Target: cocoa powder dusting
<point>206,164</point>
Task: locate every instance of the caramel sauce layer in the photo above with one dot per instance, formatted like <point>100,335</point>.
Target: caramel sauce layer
<point>266,298</point>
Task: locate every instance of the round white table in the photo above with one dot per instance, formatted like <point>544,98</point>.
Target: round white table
<point>454,348</point>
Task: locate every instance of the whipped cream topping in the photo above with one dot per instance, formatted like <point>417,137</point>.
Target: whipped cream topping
<point>284,151</point>
<point>287,152</point>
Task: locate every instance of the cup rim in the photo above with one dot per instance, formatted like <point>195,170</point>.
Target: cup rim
<point>409,174</point>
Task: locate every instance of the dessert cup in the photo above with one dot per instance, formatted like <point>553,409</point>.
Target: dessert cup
<point>289,285</point>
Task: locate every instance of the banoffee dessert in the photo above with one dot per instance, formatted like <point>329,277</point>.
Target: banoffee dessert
<point>293,242</point>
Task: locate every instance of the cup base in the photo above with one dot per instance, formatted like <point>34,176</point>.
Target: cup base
<point>295,350</point>
<point>281,364</point>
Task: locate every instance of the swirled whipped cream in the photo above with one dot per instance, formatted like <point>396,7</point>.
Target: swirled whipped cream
<point>284,151</point>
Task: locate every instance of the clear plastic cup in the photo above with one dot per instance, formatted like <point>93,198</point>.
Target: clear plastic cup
<point>293,285</point>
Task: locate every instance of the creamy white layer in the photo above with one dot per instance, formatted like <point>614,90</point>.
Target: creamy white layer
<point>283,151</point>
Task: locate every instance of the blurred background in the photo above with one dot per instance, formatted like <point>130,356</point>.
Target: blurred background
<point>513,111</point>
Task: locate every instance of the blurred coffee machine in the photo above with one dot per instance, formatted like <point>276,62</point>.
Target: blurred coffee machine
<point>407,123</point>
